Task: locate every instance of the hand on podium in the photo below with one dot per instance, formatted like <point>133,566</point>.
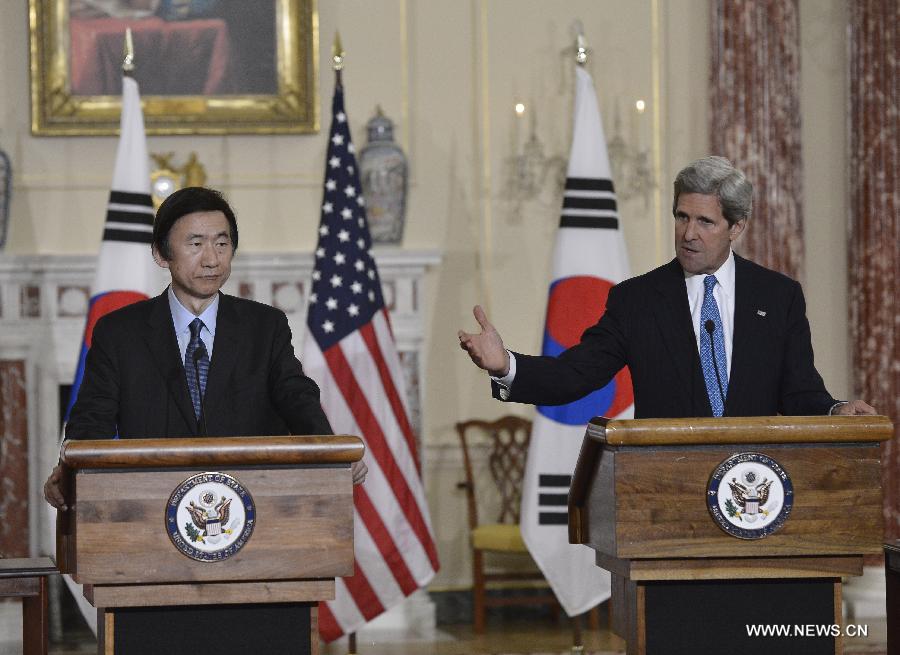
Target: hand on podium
<point>854,408</point>
<point>486,349</point>
<point>359,471</point>
<point>53,491</point>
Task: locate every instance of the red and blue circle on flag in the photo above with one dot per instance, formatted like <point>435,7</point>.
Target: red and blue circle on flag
<point>576,303</point>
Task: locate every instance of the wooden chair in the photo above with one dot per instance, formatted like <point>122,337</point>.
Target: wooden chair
<point>508,439</point>
<point>27,579</point>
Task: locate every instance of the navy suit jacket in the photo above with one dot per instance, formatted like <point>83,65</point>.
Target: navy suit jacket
<point>135,385</point>
<point>647,327</point>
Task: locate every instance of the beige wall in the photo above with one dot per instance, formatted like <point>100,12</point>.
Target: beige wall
<point>449,73</point>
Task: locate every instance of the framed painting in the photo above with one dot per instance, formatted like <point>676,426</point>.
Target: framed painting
<point>203,66</point>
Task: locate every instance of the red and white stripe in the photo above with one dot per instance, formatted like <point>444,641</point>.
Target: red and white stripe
<point>363,394</point>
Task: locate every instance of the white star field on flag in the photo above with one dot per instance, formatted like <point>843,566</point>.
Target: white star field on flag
<point>345,273</point>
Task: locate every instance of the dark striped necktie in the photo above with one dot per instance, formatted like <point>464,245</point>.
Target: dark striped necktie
<point>196,352</point>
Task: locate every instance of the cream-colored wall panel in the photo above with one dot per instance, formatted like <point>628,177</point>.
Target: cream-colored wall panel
<point>441,148</point>
<point>47,220</point>
<point>444,202</point>
<point>14,100</point>
<point>527,63</point>
<point>269,220</point>
<point>684,74</point>
<point>824,114</point>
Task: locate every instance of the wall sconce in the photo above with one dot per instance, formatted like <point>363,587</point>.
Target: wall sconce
<point>168,178</point>
<point>629,162</point>
<point>529,169</point>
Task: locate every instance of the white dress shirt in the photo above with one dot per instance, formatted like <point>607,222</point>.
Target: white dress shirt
<point>723,292</point>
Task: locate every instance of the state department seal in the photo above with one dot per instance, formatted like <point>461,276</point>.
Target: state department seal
<point>755,499</point>
<point>210,516</point>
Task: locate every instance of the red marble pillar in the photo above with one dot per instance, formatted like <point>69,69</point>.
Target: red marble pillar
<point>755,121</point>
<point>13,460</point>
<point>874,232</point>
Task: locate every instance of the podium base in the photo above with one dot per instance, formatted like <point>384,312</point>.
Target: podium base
<point>775,617</point>
<point>223,629</point>
<point>729,611</point>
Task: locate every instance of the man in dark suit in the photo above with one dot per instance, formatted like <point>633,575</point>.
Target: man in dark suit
<point>708,334</point>
<point>193,361</point>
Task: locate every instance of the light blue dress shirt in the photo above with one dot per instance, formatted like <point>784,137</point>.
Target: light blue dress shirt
<point>182,317</point>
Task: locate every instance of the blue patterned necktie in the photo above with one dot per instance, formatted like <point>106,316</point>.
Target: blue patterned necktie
<point>202,367</point>
<point>709,311</point>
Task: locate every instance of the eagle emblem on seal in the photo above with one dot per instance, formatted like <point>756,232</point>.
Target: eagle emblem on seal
<point>210,515</point>
<point>751,497</point>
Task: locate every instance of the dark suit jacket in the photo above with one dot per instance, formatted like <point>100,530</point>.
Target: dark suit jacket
<point>134,380</point>
<point>647,326</point>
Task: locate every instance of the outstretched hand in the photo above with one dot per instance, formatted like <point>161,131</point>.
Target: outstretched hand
<point>486,348</point>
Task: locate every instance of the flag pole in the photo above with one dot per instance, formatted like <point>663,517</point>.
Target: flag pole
<point>581,56</point>
<point>350,351</point>
<point>337,60</point>
<point>337,63</point>
<point>581,49</point>
<point>128,55</point>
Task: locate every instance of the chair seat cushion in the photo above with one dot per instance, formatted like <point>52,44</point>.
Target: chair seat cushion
<point>499,536</point>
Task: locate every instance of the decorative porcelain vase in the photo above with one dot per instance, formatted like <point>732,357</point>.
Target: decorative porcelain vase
<point>383,168</point>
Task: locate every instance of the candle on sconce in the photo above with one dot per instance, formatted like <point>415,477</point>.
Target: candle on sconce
<point>639,107</point>
<point>517,132</point>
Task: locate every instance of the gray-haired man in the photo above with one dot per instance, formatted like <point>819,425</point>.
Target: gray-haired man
<point>708,334</point>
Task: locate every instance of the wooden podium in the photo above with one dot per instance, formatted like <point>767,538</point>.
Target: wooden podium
<point>197,526</point>
<point>646,496</point>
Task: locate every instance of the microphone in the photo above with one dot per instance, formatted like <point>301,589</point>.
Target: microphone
<point>710,328</point>
<point>198,353</point>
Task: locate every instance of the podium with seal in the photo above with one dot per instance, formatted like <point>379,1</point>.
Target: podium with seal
<point>192,544</point>
<point>730,534</point>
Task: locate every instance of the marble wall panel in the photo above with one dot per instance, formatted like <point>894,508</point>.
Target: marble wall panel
<point>13,459</point>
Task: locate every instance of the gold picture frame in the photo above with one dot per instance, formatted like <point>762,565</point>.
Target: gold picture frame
<point>289,106</point>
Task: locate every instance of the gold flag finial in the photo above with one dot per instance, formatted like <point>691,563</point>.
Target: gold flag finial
<point>337,53</point>
<point>128,62</point>
<point>581,50</point>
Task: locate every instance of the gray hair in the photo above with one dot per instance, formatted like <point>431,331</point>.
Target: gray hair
<point>716,176</point>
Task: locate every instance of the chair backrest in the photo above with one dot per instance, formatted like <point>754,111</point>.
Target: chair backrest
<point>508,438</point>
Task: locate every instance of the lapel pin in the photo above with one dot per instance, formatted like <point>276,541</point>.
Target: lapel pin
<point>760,312</point>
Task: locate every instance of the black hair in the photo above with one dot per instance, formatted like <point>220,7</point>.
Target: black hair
<point>187,201</point>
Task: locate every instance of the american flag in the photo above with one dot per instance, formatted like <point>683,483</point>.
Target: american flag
<point>350,352</point>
